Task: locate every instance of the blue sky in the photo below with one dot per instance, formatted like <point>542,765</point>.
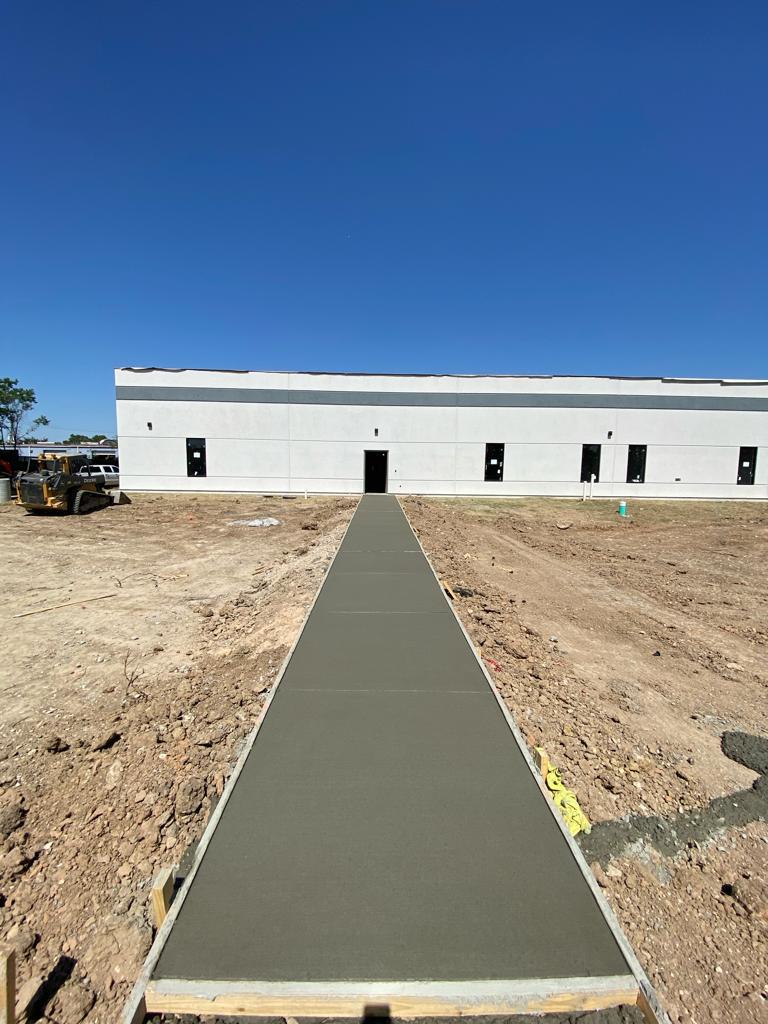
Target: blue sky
<point>381,186</point>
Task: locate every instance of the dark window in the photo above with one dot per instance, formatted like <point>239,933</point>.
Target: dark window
<point>196,456</point>
<point>494,462</point>
<point>375,481</point>
<point>747,464</point>
<point>590,462</point>
<point>636,463</point>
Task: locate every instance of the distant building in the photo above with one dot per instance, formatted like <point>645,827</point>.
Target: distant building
<point>220,430</point>
<point>95,449</point>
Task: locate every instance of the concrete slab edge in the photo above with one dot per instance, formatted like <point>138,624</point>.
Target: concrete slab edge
<point>460,990</point>
<point>135,1008</point>
<point>411,999</point>
<point>649,1001</point>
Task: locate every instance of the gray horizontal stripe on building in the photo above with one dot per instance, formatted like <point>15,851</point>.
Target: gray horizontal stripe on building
<point>523,400</point>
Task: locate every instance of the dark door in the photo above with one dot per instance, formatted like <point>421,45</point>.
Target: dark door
<point>590,462</point>
<point>636,464</point>
<point>376,472</point>
<point>494,462</point>
<point>196,456</point>
<point>747,464</point>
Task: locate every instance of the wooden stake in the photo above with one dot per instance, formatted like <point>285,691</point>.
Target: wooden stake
<point>65,604</point>
<point>650,1008</point>
<point>541,759</point>
<point>7,986</point>
<point>162,891</point>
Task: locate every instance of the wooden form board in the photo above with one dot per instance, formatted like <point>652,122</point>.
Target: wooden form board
<point>7,986</point>
<point>403,1001</point>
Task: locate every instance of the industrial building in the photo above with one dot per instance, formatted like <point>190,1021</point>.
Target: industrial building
<point>225,430</point>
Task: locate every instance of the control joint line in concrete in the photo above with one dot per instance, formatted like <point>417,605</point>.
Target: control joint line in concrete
<point>328,689</point>
<point>379,845</point>
<point>365,611</point>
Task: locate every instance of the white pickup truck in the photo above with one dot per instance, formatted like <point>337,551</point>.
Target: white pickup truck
<point>111,474</point>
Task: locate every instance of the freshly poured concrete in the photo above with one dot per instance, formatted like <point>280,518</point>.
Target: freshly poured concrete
<point>385,826</point>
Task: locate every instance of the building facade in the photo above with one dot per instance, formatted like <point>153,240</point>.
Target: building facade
<point>220,430</point>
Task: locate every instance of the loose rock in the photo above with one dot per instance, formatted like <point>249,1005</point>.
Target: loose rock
<point>190,796</point>
<point>12,814</point>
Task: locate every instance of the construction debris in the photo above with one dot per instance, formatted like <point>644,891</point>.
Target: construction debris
<point>566,800</point>
<point>255,522</point>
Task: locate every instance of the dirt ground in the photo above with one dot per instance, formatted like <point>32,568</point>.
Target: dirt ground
<point>635,652</point>
<point>121,718</point>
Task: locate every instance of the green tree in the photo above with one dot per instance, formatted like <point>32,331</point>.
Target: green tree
<point>15,405</point>
<point>84,439</point>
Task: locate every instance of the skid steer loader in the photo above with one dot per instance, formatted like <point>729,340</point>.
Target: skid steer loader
<point>54,486</point>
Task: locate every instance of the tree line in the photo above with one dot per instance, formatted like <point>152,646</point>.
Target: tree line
<point>16,406</point>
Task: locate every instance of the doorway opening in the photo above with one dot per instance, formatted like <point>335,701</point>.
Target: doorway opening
<point>636,463</point>
<point>590,462</point>
<point>494,462</point>
<point>196,462</point>
<point>747,464</point>
<point>375,480</point>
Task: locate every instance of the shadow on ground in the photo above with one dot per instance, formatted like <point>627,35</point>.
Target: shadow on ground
<point>56,978</point>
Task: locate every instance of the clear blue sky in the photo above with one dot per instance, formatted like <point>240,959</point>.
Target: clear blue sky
<point>381,186</point>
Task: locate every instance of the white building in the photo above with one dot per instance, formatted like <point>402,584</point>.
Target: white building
<point>222,430</point>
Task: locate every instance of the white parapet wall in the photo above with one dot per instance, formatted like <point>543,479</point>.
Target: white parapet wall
<point>293,432</point>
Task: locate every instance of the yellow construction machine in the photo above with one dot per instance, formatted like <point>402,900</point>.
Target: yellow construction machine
<point>56,486</point>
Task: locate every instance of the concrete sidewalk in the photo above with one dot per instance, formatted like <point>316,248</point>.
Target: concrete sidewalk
<point>386,834</point>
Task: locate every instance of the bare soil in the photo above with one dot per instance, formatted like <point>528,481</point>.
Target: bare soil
<point>121,718</point>
<point>635,651</point>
